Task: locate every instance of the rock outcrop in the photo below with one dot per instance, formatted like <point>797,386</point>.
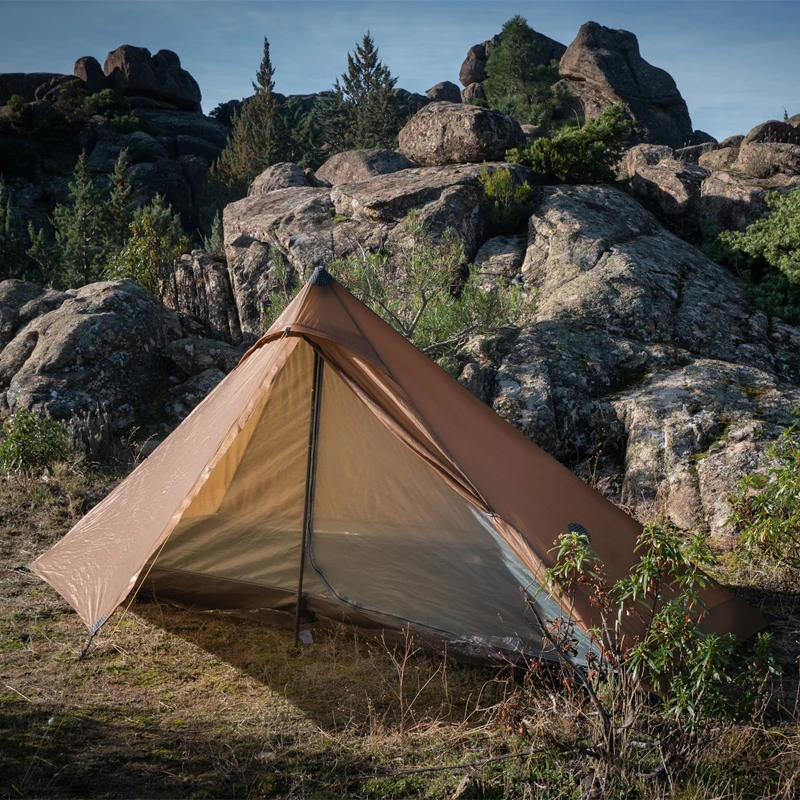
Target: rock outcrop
<point>447,133</point>
<point>97,347</point>
<point>645,367</point>
<point>603,67</point>
<point>132,71</point>
<point>360,165</point>
<point>278,176</point>
<point>446,91</point>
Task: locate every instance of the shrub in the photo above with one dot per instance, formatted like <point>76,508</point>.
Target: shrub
<point>512,203</point>
<point>418,286</point>
<point>32,443</point>
<point>766,505</point>
<point>587,154</point>
<point>520,83</point>
<point>13,257</point>
<point>155,243</point>
<point>20,114</point>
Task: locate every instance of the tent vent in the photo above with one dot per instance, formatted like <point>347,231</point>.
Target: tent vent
<point>321,277</point>
<point>576,527</point>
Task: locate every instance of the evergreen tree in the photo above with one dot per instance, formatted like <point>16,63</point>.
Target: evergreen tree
<point>520,80</point>
<point>13,259</point>
<point>257,137</point>
<point>119,205</point>
<point>363,111</point>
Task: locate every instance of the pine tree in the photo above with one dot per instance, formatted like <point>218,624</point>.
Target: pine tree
<point>119,205</point>
<point>520,80</point>
<point>363,111</point>
<point>257,137</point>
<point>13,259</point>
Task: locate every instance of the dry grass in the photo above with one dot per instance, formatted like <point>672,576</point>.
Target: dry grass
<point>170,703</point>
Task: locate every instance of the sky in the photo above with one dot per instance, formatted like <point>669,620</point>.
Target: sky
<point>736,63</point>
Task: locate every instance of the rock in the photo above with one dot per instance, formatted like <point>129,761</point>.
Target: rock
<point>278,176</point>
<point>795,121</point>
<point>645,367</point>
<point>411,102</point>
<point>133,71</point>
<point>532,132</point>
<point>701,137</point>
<point>193,356</point>
<point>138,101</point>
<point>498,261</point>
<point>445,91</point>
<point>99,348</point>
<point>25,84</point>
<point>603,66</point>
<point>52,89</point>
<point>178,123</point>
<point>353,166</point>
<point>315,181</point>
<point>730,201</point>
<point>720,159</point>
<point>20,302</point>
<point>88,69</point>
<point>671,189</point>
<point>473,70</point>
<point>447,133</point>
<point>764,159</point>
<point>642,155</point>
<point>185,397</point>
<point>772,132</point>
<point>201,287</point>
<point>691,154</point>
<point>473,94</point>
<point>166,178</point>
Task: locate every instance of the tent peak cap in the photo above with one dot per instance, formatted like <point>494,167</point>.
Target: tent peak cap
<point>321,277</point>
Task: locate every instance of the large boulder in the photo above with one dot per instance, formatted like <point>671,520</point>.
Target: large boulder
<point>473,70</point>
<point>278,176</point>
<point>25,84</point>
<point>446,91</point>
<point>769,148</point>
<point>499,261</point>
<point>99,348</point>
<point>352,166</point>
<point>645,367</point>
<point>196,355</point>
<point>88,69</point>
<point>450,133</point>
<point>133,71</point>
<point>603,67</point>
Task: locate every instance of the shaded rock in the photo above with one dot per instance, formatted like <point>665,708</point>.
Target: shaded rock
<point>499,260</point>
<point>532,132</point>
<point>133,71</point>
<point>25,84</point>
<point>193,356</point>
<point>278,176</point>
<point>473,94</point>
<point>100,348</point>
<point>449,133</point>
<point>692,154</point>
<point>642,155</point>
<point>201,287</point>
<point>411,102</point>
<point>352,166</point>
<point>772,132</point>
<point>719,159</point>
<point>315,181</point>
<point>179,123</point>
<point>51,89</point>
<point>184,398</point>
<point>473,70</point>
<point>88,69</point>
<point>20,302</point>
<point>603,66</point>
<point>445,91</point>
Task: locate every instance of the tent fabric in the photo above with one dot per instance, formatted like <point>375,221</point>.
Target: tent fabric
<point>428,509</point>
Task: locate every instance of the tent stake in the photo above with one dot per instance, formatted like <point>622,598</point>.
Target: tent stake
<point>311,475</point>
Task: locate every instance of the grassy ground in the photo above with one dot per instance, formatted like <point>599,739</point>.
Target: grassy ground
<point>170,703</point>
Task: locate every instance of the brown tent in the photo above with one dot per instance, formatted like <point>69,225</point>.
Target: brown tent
<point>339,474</point>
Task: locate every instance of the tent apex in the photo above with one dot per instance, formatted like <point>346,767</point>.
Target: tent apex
<point>321,277</point>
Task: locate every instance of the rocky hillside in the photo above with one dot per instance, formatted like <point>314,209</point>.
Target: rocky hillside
<point>644,367</point>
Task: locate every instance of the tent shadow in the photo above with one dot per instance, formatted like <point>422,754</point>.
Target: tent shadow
<point>339,681</point>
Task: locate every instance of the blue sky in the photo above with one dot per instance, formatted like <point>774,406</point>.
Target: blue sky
<point>736,63</point>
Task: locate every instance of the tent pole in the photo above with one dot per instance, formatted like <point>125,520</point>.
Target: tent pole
<point>311,475</point>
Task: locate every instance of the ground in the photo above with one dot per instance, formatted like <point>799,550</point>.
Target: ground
<point>169,703</point>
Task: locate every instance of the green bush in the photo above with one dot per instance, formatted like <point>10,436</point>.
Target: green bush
<point>32,443</point>
<point>155,243</point>
<point>20,114</point>
<point>586,154</point>
<point>519,81</point>
<point>512,203</point>
<point>13,256</point>
<point>766,505</point>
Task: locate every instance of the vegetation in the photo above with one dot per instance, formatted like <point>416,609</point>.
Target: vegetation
<point>31,443</point>
<point>519,82</point>
<point>585,154</point>
<point>766,505</point>
<point>13,257</point>
<point>512,202</point>
<point>155,243</point>
<point>766,256</point>
<point>363,111</point>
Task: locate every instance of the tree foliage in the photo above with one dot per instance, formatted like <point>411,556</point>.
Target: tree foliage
<point>257,137</point>
<point>585,154</point>
<point>31,443</point>
<point>520,82</point>
<point>363,111</point>
<point>511,202</point>
<point>155,243</point>
<point>13,255</point>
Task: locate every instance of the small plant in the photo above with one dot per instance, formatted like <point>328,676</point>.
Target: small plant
<point>587,154</point>
<point>214,243</point>
<point>32,443</point>
<point>512,203</point>
<point>766,506</point>
<point>285,285</point>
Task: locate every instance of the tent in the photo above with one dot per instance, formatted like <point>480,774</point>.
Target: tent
<point>338,474</point>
